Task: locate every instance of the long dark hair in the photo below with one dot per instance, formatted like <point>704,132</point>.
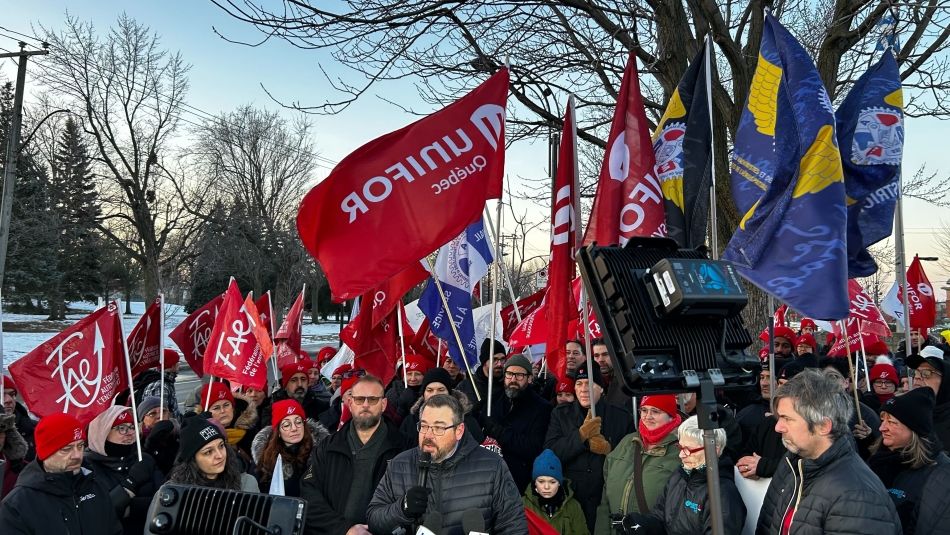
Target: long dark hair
<point>275,446</point>
<point>188,473</point>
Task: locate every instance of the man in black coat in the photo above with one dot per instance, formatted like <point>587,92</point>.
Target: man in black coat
<point>295,383</point>
<point>822,485</point>
<point>582,443</point>
<point>54,494</point>
<point>347,466</point>
<point>493,349</point>
<point>519,421</point>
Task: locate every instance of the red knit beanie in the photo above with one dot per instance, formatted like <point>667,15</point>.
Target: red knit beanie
<point>564,386</point>
<point>8,384</point>
<point>416,363</point>
<point>219,391</point>
<point>808,340</point>
<point>285,408</point>
<point>665,402</point>
<point>289,370</point>
<point>124,417</point>
<point>56,431</point>
<point>886,372</point>
<point>170,357</point>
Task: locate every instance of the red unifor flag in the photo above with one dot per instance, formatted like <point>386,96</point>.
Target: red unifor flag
<point>525,306</point>
<point>920,297</point>
<point>559,301</point>
<point>145,339</point>
<point>193,333</point>
<point>265,309</point>
<point>233,352</point>
<point>629,200</point>
<point>79,371</point>
<point>407,193</point>
<point>288,337</point>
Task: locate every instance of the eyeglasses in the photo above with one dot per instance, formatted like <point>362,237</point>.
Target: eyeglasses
<point>124,429</point>
<point>437,430</point>
<point>287,425</point>
<point>515,375</point>
<point>359,400</point>
<point>926,374</point>
<point>690,451</point>
<point>650,411</point>
<point>354,373</point>
<point>883,382</point>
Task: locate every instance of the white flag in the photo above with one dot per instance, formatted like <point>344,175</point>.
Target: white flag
<point>892,305</point>
<point>277,478</point>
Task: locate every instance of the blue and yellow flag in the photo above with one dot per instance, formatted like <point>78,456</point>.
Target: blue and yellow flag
<point>787,182</point>
<point>871,137</point>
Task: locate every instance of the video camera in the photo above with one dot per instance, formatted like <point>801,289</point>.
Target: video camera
<point>670,316</point>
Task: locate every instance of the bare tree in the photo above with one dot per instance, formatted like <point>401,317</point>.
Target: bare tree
<point>130,92</point>
<point>878,284</point>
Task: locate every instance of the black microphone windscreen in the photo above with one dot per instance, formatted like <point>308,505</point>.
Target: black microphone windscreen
<point>433,521</point>
<point>425,457</point>
<point>472,520</point>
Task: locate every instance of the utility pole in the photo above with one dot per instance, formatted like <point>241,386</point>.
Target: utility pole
<point>13,149</point>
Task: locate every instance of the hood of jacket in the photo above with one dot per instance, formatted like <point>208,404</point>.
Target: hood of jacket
<point>61,484</point>
<point>100,426</point>
<point>317,431</point>
<point>460,396</point>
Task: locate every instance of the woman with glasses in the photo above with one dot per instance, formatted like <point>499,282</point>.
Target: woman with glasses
<point>929,371</point>
<point>682,507</point>
<point>884,383</point>
<point>111,455</point>
<point>293,441</point>
<point>638,468</point>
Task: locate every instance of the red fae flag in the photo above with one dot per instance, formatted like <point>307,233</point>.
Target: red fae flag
<point>560,306</point>
<point>920,294</point>
<point>864,316</point>
<point>145,339</point>
<point>233,352</point>
<point>193,333</point>
<point>79,371</point>
<point>407,192</point>
<point>288,337</point>
<point>629,200</point>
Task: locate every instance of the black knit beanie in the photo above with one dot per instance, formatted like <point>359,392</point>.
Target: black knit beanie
<point>195,435</point>
<point>437,375</point>
<point>595,375</point>
<point>483,353</point>
<point>914,409</point>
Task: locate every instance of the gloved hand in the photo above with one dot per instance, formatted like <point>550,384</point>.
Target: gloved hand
<point>416,502</point>
<point>598,444</point>
<point>589,428</point>
<point>139,474</point>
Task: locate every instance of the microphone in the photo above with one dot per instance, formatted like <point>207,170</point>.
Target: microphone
<point>425,461</point>
<point>473,523</point>
<point>432,525</point>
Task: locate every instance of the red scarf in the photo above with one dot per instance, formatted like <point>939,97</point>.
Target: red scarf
<point>652,437</point>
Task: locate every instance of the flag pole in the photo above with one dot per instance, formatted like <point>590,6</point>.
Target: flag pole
<point>128,374</point>
<point>494,299</point>
<point>714,234</point>
<point>3,362</point>
<point>273,353</point>
<point>771,350</point>
<point>854,384</point>
<point>864,353</point>
<point>402,344</point>
<point>507,277</point>
<point>161,356</point>
<point>455,332</point>
<point>902,270</point>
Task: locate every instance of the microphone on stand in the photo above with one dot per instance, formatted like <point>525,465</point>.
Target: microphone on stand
<point>473,523</point>
<point>432,525</point>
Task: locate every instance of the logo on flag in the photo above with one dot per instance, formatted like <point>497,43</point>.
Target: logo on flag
<point>193,333</point>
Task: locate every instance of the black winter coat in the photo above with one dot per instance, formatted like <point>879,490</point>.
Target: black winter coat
<point>472,478</point>
<point>481,381</point>
<point>933,514</point>
<point>584,468</point>
<point>906,486</point>
<point>683,506</point>
<point>325,485</point>
<point>25,426</point>
<point>835,493</point>
<point>63,503</point>
<point>110,471</point>
<point>767,443</point>
<point>519,426</point>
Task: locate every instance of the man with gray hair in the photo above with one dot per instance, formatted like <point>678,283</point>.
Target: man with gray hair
<point>822,485</point>
<point>448,474</point>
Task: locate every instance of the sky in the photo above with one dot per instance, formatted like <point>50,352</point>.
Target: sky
<point>225,75</point>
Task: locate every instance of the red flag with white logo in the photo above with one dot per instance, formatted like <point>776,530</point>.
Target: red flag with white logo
<point>864,316</point>
<point>233,352</point>
<point>261,334</point>
<point>266,312</point>
<point>79,371</point>
<point>920,297</point>
<point>577,329</point>
<point>392,291</point>
<point>288,337</point>
<point>145,339</point>
<point>193,333</point>
<point>376,348</point>
<point>525,306</point>
<point>408,192</point>
<point>629,200</point>
<point>560,306</point>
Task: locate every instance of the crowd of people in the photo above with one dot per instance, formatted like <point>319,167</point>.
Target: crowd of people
<point>510,444</point>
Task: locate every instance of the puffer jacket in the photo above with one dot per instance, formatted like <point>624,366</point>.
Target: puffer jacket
<point>569,518</point>
<point>62,503</point>
<point>933,514</point>
<point>835,493</point>
<point>291,472</point>
<point>906,485</point>
<point>584,468</point>
<point>683,506</point>
<point>620,489</point>
<point>472,478</point>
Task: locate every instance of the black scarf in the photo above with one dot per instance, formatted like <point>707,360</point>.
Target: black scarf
<point>550,505</point>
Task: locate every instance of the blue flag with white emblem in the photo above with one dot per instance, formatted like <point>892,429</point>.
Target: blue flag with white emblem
<point>788,185</point>
<point>871,138</point>
<point>460,264</point>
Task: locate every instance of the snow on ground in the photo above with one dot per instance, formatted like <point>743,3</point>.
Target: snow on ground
<point>17,344</point>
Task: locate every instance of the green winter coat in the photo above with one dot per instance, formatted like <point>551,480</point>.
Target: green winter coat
<point>568,520</point>
<point>620,492</point>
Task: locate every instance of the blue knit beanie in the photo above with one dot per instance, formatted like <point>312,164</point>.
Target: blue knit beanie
<point>547,464</point>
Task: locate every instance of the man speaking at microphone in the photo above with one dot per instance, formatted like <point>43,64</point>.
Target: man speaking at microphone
<point>461,478</point>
